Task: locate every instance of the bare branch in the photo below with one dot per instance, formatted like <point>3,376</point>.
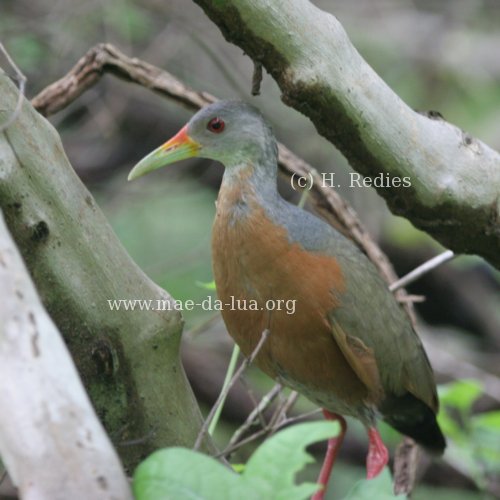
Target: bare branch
<point>223,394</point>
<point>256,78</point>
<point>419,271</point>
<point>406,460</point>
<point>105,58</point>
<point>255,415</point>
<point>280,413</point>
<point>268,429</point>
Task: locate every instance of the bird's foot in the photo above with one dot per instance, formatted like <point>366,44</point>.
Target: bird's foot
<point>331,454</point>
<point>378,456</point>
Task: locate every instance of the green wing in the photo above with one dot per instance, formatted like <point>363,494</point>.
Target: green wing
<point>379,332</point>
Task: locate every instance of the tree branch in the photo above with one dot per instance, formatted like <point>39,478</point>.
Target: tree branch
<point>424,268</point>
<point>454,177</point>
<point>105,58</point>
<point>239,372</point>
<point>51,440</point>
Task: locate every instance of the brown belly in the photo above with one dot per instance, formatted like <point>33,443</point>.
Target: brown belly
<point>299,352</point>
<point>257,263</point>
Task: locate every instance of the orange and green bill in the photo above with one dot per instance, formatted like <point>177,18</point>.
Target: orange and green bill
<point>180,147</point>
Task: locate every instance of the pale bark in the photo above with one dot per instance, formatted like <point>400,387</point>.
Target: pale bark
<point>455,178</point>
<point>128,360</point>
<point>51,440</point>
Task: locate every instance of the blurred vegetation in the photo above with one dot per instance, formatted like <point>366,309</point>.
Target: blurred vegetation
<point>439,55</point>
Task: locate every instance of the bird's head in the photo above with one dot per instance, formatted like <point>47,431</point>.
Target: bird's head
<point>231,132</point>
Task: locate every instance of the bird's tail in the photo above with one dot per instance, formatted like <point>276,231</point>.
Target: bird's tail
<point>415,419</point>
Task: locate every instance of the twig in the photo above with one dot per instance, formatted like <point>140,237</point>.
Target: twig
<point>406,460</point>
<point>266,430</point>
<point>105,58</point>
<point>303,198</point>
<point>230,449</point>
<point>297,418</point>
<point>255,414</point>
<point>246,363</point>
<point>141,440</point>
<point>256,78</point>
<point>280,413</point>
<point>424,268</point>
<point>3,475</point>
<point>413,299</point>
<point>21,79</point>
<point>227,379</point>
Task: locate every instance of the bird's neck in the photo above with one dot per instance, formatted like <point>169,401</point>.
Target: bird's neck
<point>250,178</point>
<point>243,188</point>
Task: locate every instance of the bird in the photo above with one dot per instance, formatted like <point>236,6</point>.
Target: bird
<point>348,346</point>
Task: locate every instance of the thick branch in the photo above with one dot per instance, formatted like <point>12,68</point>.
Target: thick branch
<point>454,193</point>
<point>129,360</point>
<point>50,437</point>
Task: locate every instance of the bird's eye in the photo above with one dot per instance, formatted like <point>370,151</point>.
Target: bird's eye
<point>216,125</point>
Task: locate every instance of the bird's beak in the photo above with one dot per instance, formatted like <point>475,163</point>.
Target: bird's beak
<point>180,147</point>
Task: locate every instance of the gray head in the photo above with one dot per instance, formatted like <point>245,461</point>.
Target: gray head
<point>232,132</point>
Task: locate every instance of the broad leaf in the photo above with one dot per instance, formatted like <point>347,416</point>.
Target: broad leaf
<point>379,488</point>
<point>175,473</point>
<point>274,465</point>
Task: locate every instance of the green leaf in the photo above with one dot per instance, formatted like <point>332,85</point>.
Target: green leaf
<point>274,465</point>
<point>486,440</point>
<point>460,394</point>
<point>207,286</point>
<point>490,420</point>
<point>379,488</point>
<point>449,426</point>
<point>175,473</point>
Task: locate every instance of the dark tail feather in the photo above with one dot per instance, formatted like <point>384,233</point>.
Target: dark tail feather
<point>415,419</point>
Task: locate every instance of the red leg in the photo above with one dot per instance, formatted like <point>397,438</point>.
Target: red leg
<point>378,456</point>
<point>331,454</point>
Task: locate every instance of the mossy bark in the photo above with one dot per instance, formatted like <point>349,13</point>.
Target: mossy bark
<point>128,360</point>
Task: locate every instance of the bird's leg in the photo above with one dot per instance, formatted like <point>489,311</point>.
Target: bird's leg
<point>378,456</point>
<point>331,454</point>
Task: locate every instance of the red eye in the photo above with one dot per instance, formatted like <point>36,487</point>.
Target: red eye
<point>216,125</point>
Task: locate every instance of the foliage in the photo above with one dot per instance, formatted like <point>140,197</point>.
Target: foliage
<point>379,488</point>
<point>182,473</point>
<point>474,444</point>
